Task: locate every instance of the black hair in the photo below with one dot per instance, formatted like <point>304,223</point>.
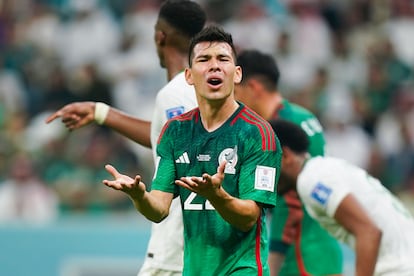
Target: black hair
<point>260,65</point>
<point>186,16</point>
<point>211,33</point>
<point>291,135</point>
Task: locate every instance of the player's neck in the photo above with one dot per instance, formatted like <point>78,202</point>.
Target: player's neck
<point>213,117</point>
<point>175,62</point>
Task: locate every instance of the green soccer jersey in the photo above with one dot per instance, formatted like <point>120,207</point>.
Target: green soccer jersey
<point>211,245</point>
<point>309,123</point>
<point>308,248</point>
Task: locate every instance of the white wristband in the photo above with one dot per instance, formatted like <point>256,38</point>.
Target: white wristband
<point>101,111</point>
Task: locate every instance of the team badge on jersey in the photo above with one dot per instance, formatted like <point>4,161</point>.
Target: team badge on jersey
<point>230,155</point>
<point>265,178</point>
<point>321,193</point>
<point>175,111</point>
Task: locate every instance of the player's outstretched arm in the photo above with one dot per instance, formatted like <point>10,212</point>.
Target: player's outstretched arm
<point>351,215</point>
<point>79,114</point>
<point>153,205</point>
<point>242,214</point>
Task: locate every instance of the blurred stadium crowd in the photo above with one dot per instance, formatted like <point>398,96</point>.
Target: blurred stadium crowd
<point>350,62</point>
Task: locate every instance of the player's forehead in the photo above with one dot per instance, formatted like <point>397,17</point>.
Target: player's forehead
<point>207,48</point>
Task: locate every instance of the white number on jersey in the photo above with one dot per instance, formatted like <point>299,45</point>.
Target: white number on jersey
<point>311,126</point>
<point>189,205</point>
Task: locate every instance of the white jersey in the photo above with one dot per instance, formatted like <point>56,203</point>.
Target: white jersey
<point>166,244</point>
<point>323,184</point>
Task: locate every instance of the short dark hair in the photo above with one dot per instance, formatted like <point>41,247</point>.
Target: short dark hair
<point>211,33</point>
<point>257,64</point>
<point>290,135</point>
<point>186,16</point>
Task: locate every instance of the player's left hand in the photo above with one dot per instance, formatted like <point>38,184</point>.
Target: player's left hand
<point>206,185</point>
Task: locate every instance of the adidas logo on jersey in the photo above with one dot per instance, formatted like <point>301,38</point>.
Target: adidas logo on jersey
<point>183,159</point>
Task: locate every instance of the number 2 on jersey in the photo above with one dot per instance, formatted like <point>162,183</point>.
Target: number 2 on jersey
<point>189,205</point>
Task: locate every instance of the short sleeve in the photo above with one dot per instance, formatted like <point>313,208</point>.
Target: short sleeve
<point>259,172</point>
<point>320,190</point>
<point>165,172</point>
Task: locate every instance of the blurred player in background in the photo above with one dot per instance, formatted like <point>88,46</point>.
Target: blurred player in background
<point>298,245</point>
<point>177,22</point>
<point>350,204</point>
<point>225,184</point>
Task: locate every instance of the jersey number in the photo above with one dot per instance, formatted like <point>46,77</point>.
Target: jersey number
<point>189,205</point>
<point>311,126</point>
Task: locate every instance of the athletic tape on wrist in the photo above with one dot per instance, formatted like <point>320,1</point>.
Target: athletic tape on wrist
<point>101,111</point>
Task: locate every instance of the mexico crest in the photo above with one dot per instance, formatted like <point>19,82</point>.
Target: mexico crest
<point>230,155</point>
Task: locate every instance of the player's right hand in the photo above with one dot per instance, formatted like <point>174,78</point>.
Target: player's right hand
<point>133,187</point>
<point>75,115</point>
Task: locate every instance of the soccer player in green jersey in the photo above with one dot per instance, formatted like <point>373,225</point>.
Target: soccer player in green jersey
<point>223,160</point>
<point>298,245</point>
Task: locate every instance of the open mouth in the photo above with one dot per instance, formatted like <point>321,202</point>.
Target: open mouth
<point>214,81</point>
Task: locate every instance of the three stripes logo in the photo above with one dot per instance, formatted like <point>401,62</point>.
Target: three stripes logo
<point>183,159</point>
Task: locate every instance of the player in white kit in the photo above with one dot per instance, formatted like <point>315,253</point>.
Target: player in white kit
<point>350,204</point>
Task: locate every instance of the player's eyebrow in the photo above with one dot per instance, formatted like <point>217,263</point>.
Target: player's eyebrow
<point>203,56</point>
<point>209,56</point>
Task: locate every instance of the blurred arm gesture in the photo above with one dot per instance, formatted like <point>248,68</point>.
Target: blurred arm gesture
<point>75,115</point>
<point>79,114</point>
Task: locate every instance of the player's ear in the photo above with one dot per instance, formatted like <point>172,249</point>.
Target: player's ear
<point>188,76</point>
<point>238,75</point>
<point>287,154</point>
<point>160,38</point>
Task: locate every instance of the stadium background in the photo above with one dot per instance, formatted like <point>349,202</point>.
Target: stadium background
<point>350,62</point>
